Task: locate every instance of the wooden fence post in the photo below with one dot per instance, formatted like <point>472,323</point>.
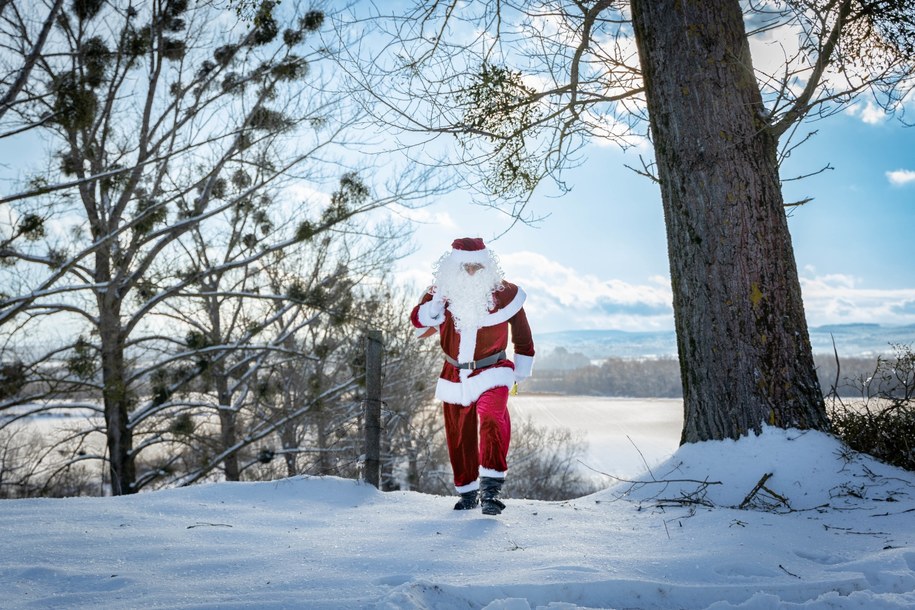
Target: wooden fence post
<point>373,356</point>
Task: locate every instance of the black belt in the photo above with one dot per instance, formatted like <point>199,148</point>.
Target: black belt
<point>476,364</point>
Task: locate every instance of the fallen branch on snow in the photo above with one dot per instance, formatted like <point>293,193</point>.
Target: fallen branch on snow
<point>761,486</point>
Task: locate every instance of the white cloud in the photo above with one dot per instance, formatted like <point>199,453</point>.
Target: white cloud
<point>870,113</point>
<point>841,299</point>
<point>561,298</point>
<point>301,192</point>
<point>901,176</point>
<point>441,219</point>
<point>771,49</point>
<point>829,284</point>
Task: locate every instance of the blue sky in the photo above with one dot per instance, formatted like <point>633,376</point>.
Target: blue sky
<point>599,261</point>
<point>599,258</point>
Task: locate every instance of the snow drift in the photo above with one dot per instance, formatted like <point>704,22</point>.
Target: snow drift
<point>826,529</point>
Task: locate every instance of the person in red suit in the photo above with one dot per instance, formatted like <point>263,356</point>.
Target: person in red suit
<point>473,309</point>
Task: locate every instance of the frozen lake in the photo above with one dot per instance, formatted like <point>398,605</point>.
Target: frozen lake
<point>618,430</point>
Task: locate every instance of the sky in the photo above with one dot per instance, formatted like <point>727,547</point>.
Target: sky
<point>599,258</point>
<point>664,539</point>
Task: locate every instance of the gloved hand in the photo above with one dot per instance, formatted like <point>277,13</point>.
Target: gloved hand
<point>437,306</point>
<point>432,313</point>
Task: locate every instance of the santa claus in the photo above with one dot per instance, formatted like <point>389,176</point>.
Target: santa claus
<point>472,308</point>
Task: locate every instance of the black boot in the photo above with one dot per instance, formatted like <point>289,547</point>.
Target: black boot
<point>490,488</point>
<point>469,500</point>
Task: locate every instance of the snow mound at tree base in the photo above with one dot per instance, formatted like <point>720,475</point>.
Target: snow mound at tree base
<point>780,470</point>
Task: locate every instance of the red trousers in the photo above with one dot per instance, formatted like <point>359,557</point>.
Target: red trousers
<point>478,437</point>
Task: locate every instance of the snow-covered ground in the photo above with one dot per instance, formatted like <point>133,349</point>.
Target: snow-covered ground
<point>845,539</point>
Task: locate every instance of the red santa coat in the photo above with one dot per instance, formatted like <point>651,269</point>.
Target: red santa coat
<point>463,386</point>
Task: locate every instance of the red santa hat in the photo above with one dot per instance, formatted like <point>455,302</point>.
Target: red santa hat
<point>470,250</point>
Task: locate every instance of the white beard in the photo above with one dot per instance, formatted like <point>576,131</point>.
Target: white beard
<point>469,297</point>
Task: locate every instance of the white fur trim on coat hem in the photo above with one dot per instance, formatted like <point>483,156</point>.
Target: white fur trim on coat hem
<point>465,393</point>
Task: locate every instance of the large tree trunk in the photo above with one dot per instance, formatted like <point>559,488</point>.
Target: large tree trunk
<point>742,337</point>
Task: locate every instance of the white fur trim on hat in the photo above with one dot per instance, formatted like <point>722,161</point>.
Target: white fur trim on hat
<point>471,256</point>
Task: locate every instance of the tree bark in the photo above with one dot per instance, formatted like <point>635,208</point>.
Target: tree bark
<point>322,461</point>
<point>116,399</point>
<point>228,435</point>
<point>289,440</point>
<point>227,416</point>
<point>744,348</point>
<point>10,95</point>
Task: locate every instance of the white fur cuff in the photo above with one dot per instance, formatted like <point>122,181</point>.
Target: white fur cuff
<point>475,485</point>
<point>493,474</point>
<point>524,366</point>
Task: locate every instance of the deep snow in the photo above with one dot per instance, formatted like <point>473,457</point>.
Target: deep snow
<point>847,541</point>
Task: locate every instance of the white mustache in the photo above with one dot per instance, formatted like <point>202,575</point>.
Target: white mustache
<point>469,297</point>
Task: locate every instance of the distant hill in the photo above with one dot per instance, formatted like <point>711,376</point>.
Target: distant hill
<point>851,340</point>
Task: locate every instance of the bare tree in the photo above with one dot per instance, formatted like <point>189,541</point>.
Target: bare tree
<point>252,303</point>
<point>303,403</point>
<point>413,449</point>
<point>160,129</point>
<point>28,47</point>
<point>522,87</point>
